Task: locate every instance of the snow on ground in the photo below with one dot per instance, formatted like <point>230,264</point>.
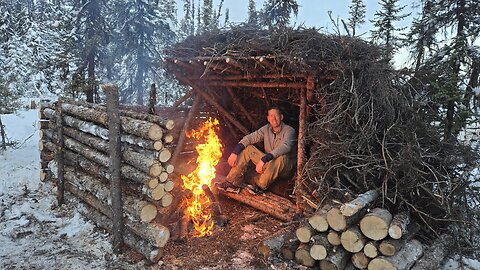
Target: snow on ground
<point>36,234</point>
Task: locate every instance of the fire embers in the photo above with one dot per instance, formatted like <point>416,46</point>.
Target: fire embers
<point>209,152</point>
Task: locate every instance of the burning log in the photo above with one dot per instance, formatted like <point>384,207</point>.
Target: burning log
<point>402,260</point>
<point>374,225</point>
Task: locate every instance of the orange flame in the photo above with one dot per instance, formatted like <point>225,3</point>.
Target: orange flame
<point>209,153</point>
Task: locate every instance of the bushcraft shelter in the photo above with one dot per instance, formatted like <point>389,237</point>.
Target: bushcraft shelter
<point>239,73</point>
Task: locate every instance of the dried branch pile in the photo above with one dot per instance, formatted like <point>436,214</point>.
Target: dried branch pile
<point>366,130</point>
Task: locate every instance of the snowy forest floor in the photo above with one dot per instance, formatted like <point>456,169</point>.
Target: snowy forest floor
<point>36,234</point>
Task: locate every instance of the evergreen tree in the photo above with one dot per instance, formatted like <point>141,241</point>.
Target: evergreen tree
<point>207,16</point>
<point>252,13</point>
<point>357,15</point>
<point>277,12</point>
<point>385,33</point>
<point>140,27</point>
<point>227,16</point>
<point>186,23</point>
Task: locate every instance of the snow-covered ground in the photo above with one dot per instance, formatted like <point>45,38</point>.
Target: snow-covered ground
<point>36,234</point>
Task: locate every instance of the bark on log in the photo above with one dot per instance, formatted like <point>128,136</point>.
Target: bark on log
<point>339,222</point>
<point>144,129</point>
<point>374,225</point>
<point>156,234</point>
<point>371,249</point>
<point>352,207</point>
<point>304,232</point>
<point>271,245</point>
<point>360,260</point>
<point>336,260</point>
<point>290,245</point>
<point>302,256</point>
<point>390,247</point>
<point>399,224</point>
<point>156,119</point>
<point>435,254</point>
<point>353,240</point>
<point>186,125</point>
<point>333,238</point>
<point>135,242</point>
<point>319,220</point>
<point>403,260</point>
<point>320,247</point>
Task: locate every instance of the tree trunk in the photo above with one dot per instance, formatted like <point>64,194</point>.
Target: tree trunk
<point>351,208</point>
<point>353,240</point>
<point>2,134</point>
<point>374,225</point>
<point>403,260</point>
<point>59,155</point>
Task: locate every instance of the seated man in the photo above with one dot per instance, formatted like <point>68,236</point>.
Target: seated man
<point>278,139</point>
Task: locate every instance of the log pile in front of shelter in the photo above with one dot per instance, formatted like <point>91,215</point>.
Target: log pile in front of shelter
<point>353,235</point>
<point>145,170</point>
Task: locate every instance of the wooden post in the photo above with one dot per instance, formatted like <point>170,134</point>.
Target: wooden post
<point>302,125</point>
<point>183,98</point>
<point>237,102</point>
<point>111,91</point>
<point>188,120</point>
<point>152,101</point>
<point>2,133</point>
<point>60,159</point>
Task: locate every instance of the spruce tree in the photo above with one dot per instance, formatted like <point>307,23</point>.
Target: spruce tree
<point>357,15</point>
<point>277,12</point>
<point>252,13</point>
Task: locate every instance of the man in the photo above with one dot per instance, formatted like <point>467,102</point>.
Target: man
<point>278,139</point>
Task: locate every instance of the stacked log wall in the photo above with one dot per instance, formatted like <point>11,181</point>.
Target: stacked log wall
<point>148,181</point>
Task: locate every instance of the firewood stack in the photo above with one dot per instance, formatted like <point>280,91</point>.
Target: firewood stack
<point>350,236</point>
<point>145,169</point>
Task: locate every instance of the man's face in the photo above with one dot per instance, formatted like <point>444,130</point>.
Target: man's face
<point>274,118</point>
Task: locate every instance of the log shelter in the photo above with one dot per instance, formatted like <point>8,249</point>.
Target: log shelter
<point>240,88</point>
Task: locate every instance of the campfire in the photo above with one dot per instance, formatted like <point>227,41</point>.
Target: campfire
<point>197,207</point>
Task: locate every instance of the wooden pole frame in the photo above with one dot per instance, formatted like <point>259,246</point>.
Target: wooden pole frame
<point>114,130</point>
<point>60,158</point>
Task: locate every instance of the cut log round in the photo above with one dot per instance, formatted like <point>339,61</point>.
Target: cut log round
<point>371,249</point>
<point>163,176</point>
<point>360,260</point>
<point>167,199</point>
<point>159,192</point>
<point>374,225</point>
<point>333,238</point>
<point>169,185</point>
<point>168,138</point>
<point>302,256</point>
<point>352,207</point>
<point>319,247</point>
<point>289,247</point>
<point>402,260</point>
<point>153,182</point>
<point>399,224</point>
<point>164,155</point>
<point>319,220</point>
<point>336,260</point>
<point>304,232</point>
<point>148,213</point>
<point>169,168</point>
<point>339,222</point>
<point>390,247</point>
<point>353,240</point>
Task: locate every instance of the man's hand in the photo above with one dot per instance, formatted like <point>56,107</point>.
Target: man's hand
<point>231,159</point>
<point>259,167</point>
